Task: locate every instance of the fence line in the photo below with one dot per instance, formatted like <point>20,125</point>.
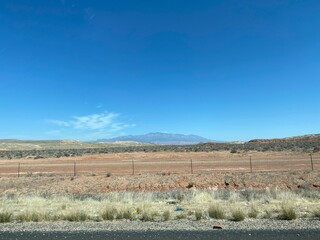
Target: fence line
<point>191,166</point>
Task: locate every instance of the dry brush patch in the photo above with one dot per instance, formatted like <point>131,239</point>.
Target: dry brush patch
<point>190,204</point>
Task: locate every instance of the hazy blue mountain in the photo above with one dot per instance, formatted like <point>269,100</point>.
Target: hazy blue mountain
<point>159,138</point>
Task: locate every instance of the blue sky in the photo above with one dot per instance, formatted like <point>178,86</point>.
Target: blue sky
<point>225,70</point>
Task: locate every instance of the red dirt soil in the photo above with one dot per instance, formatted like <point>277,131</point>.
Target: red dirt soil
<point>160,171</point>
<point>163,162</point>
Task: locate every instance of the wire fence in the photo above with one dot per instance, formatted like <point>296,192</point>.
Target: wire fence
<point>156,166</point>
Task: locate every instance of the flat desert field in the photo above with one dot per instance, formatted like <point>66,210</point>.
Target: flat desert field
<point>162,163</point>
<point>162,186</point>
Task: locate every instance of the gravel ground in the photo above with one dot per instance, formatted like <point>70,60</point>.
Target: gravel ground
<point>176,225</point>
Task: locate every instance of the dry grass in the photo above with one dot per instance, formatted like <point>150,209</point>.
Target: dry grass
<point>162,206</point>
<point>237,215</point>
<point>166,215</point>
<point>216,212</point>
<point>199,215</point>
<point>287,213</point>
<point>316,213</point>
<point>5,217</point>
<point>253,212</point>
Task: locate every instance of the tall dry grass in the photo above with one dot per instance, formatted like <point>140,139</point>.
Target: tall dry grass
<point>162,206</point>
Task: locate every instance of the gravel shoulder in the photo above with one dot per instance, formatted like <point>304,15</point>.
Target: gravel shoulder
<point>175,225</point>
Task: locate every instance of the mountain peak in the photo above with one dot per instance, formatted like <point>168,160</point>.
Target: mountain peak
<point>160,138</point>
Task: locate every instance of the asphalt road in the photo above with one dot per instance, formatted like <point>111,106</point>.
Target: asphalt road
<point>166,235</point>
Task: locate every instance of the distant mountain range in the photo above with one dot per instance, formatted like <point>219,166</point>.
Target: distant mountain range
<point>160,138</point>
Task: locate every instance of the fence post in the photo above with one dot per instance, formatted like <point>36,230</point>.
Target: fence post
<point>250,164</point>
<point>19,169</point>
<point>74,168</point>
<point>191,166</point>
<point>311,162</point>
<point>132,167</point>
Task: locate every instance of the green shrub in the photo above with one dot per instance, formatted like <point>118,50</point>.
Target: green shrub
<point>216,212</point>
<point>233,150</point>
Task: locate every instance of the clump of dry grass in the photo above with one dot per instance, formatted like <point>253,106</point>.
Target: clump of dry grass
<point>30,217</point>
<point>77,216</point>
<point>316,213</point>
<point>109,213</point>
<point>166,215</point>
<point>237,215</point>
<point>267,214</point>
<point>5,217</point>
<point>149,216</point>
<point>199,215</point>
<point>253,212</point>
<point>216,211</point>
<point>181,216</point>
<point>127,214</point>
<point>287,213</point>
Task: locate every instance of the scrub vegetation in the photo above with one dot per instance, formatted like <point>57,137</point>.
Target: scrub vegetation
<point>233,205</point>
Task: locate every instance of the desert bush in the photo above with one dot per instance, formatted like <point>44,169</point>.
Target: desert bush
<point>78,216</point>
<point>109,214</point>
<point>5,217</point>
<point>223,194</point>
<point>253,213</point>
<point>181,216</point>
<point>166,215</point>
<point>287,213</point>
<point>198,214</point>
<point>178,194</point>
<point>119,215</point>
<point>248,194</point>
<point>127,214</point>
<point>148,216</point>
<point>237,215</point>
<point>307,192</point>
<point>267,214</point>
<point>216,212</point>
<point>233,150</point>
<point>30,217</point>
<point>109,174</point>
<point>316,213</point>
<point>190,185</point>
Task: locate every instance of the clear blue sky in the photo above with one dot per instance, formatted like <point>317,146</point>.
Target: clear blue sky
<point>225,70</point>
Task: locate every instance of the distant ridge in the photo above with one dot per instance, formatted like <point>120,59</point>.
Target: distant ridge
<point>309,137</point>
<point>160,138</point>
